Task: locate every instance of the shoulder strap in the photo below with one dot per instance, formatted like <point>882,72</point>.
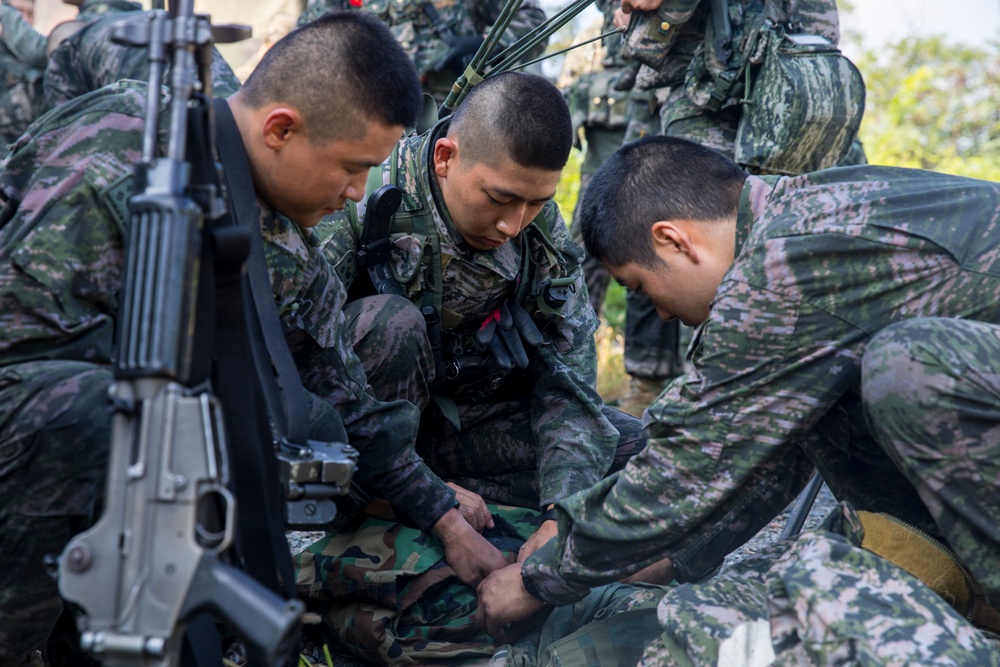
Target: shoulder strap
<point>288,408</point>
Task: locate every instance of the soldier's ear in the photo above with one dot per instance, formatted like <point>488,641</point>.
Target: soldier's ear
<point>673,237</point>
<point>445,156</point>
<point>279,125</point>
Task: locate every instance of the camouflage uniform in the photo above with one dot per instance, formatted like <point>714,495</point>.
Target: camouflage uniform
<point>681,88</point>
<point>424,43</point>
<point>21,37</point>
<point>20,77</point>
<point>387,594</point>
<point>60,261</point>
<point>524,438</point>
<point>856,331</point>
<point>89,59</point>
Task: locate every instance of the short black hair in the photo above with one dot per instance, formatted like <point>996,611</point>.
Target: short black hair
<point>517,115</point>
<point>340,71</point>
<point>651,179</point>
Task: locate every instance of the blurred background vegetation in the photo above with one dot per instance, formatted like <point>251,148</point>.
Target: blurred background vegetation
<point>931,104</point>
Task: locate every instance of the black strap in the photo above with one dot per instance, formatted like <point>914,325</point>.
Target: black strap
<point>288,407</point>
<point>262,344</point>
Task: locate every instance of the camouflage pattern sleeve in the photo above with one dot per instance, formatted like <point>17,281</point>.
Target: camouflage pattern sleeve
<point>337,235</point>
<point>310,300</point>
<point>21,38</point>
<point>89,59</point>
<point>576,442</point>
<point>825,261</point>
<point>72,175</point>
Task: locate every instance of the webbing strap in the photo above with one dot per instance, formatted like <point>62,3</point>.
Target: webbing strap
<point>288,407</point>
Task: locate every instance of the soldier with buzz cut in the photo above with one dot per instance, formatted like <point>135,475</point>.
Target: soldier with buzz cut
<point>486,326</point>
<point>63,223</point>
<point>440,37</point>
<point>849,319</point>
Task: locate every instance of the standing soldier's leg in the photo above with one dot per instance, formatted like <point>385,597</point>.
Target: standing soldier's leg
<point>601,143</point>
<point>55,432</point>
<point>931,388</point>
<point>653,353</point>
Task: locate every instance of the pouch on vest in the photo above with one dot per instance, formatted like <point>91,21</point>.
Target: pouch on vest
<point>648,39</point>
<point>606,107</point>
<point>803,106</point>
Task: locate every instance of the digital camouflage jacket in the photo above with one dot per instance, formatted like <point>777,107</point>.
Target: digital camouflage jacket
<point>824,261</point>
<point>427,44</point>
<point>89,59</point>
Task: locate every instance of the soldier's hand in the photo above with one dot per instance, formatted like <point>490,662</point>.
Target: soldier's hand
<point>545,532</point>
<point>622,18</point>
<point>465,550</point>
<point>503,600</point>
<point>472,507</point>
<point>460,54</point>
<point>628,6</point>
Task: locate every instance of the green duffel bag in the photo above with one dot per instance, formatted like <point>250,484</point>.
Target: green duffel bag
<point>803,108</point>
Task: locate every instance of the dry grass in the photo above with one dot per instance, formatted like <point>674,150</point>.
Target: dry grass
<point>612,381</point>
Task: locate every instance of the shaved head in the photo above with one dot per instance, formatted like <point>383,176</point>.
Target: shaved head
<point>327,71</point>
<point>515,115</point>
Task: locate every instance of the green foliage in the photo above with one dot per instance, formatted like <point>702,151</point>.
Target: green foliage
<point>933,105</point>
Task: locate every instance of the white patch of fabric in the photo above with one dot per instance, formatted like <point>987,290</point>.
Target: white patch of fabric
<point>748,646</point>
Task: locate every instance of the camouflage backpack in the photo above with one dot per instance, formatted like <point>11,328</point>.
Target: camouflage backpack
<point>804,106</point>
<point>802,100</point>
<point>386,594</point>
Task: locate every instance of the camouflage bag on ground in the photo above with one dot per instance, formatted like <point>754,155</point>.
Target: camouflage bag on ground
<point>802,108</point>
<point>386,594</point>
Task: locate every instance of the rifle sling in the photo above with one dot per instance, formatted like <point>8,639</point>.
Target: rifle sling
<point>288,406</point>
<point>258,483</point>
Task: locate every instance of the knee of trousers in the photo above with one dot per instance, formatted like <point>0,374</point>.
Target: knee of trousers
<point>389,319</point>
<point>913,369</point>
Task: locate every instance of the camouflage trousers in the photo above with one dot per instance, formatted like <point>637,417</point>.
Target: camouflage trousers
<point>494,453</point>
<point>387,594</point>
<point>55,427</point>
<point>817,600</point>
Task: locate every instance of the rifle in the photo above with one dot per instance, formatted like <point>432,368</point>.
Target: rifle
<point>161,554</point>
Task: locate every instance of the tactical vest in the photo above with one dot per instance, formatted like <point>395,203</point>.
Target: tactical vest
<point>543,285</point>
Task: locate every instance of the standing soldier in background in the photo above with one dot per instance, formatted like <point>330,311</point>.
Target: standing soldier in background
<point>697,87</point>
<point>22,59</point>
<point>441,37</point>
<point>590,79</point>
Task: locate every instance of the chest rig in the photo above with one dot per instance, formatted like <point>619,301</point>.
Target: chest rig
<point>401,252</point>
